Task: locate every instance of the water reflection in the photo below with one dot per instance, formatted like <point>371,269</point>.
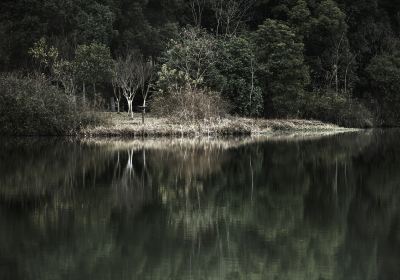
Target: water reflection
<point>291,208</point>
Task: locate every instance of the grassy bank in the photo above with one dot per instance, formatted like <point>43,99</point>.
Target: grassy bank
<point>120,125</point>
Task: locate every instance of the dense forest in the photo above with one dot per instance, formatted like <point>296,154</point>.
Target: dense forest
<point>331,60</point>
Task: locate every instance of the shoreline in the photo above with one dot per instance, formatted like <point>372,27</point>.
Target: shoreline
<point>120,125</point>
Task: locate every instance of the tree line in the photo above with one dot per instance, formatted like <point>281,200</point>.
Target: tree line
<point>333,60</point>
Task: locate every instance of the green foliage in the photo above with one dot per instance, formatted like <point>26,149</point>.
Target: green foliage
<point>65,72</point>
<point>43,54</point>
<point>331,41</point>
<point>336,108</point>
<point>96,24</point>
<point>173,80</point>
<point>384,73</point>
<point>193,53</point>
<point>93,62</point>
<point>299,18</point>
<point>284,73</point>
<point>327,47</point>
<point>147,26</point>
<point>32,106</point>
<point>237,65</point>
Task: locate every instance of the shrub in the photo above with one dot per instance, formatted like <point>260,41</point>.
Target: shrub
<point>190,105</point>
<point>336,108</point>
<point>33,106</point>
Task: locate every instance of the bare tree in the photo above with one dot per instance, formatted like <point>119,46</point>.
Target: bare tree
<point>252,70</point>
<point>197,8</point>
<point>145,72</point>
<point>230,14</point>
<point>338,48</point>
<point>350,60</point>
<point>127,78</point>
<point>116,89</point>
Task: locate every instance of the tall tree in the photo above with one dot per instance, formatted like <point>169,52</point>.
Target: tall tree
<point>93,63</point>
<point>237,64</point>
<point>284,73</point>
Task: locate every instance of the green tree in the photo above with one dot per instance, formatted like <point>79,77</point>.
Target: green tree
<point>384,74</point>
<point>95,24</point>
<point>44,55</point>
<point>194,53</point>
<point>237,65</point>
<point>327,48</point>
<point>284,73</point>
<point>93,63</point>
<point>147,26</point>
<point>299,17</point>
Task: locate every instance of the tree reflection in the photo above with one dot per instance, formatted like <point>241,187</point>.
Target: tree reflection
<point>312,209</point>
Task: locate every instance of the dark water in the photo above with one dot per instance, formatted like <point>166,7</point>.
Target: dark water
<point>326,208</point>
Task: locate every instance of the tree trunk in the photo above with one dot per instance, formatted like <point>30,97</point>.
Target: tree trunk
<point>84,93</point>
<point>130,111</point>
<point>336,79</point>
<point>252,87</point>
<point>143,110</point>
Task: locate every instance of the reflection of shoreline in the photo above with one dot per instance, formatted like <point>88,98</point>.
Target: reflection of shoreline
<point>120,143</point>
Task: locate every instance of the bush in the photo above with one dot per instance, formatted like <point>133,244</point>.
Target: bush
<point>336,108</point>
<point>32,106</point>
<point>190,105</point>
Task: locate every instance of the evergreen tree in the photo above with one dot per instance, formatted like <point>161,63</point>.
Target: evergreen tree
<point>284,73</point>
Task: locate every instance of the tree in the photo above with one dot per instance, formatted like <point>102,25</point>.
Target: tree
<point>237,65</point>
<point>44,55</point>
<point>193,54</point>
<point>116,89</point>
<point>299,18</point>
<point>95,24</point>
<point>285,75</point>
<point>127,77</point>
<point>327,47</point>
<point>65,72</point>
<point>230,14</point>
<point>384,74</point>
<point>147,26</point>
<point>93,63</point>
<point>146,73</point>
<point>197,9</point>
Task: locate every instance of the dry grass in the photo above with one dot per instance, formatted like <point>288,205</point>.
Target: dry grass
<point>120,125</point>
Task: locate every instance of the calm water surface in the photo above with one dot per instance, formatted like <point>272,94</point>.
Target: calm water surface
<point>292,208</point>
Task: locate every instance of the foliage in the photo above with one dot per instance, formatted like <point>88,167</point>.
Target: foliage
<point>93,62</point>
<point>320,46</point>
<point>384,73</point>
<point>327,50</point>
<point>32,106</point>
<point>238,66</point>
<point>65,72</point>
<point>284,73</point>
<point>193,53</point>
<point>43,54</point>
<point>173,80</point>
<point>96,24</point>
<point>336,108</point>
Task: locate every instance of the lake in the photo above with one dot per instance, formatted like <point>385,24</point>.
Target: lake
<point>288,207</point>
